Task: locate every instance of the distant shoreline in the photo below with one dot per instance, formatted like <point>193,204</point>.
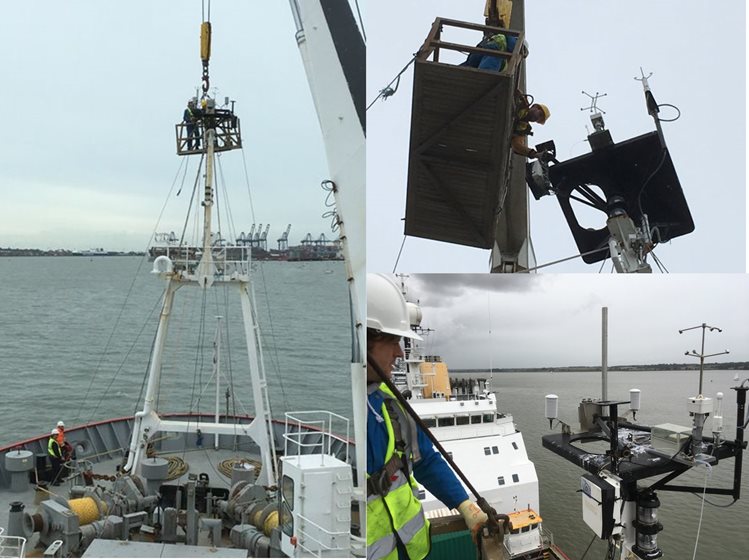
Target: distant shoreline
<point>728,366</point>
<point>65,253</point>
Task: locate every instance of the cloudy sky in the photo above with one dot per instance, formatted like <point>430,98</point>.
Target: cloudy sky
<point>92,91</point>
<point>697,56</point>
<point>555,320</point>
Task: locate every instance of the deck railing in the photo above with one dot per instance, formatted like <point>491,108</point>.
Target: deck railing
<point>228,260</point>
<point>11,547</point>
<point>312,433</point>
<point>322,549</point>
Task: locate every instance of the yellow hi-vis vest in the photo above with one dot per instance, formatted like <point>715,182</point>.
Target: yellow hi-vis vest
<point>397,509</point>
<point>53,448</point>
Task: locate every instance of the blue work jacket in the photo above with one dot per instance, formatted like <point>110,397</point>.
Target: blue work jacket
<point>432,471</point>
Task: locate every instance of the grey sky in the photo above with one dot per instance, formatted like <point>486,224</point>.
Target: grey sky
<point>92,91</point>
<point>555,320</point>
<point>697,56</point>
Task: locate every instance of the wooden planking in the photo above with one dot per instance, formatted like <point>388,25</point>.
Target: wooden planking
<point>460,144</point>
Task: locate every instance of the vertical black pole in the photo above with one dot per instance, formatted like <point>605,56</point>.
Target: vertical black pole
<point>614,443</point>
<point>740,419</point>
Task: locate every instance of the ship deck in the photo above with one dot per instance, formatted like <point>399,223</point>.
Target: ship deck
<point>198,461</point>
<point>102,446</point>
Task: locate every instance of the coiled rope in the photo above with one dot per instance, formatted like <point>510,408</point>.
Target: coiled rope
<point>226,466</point>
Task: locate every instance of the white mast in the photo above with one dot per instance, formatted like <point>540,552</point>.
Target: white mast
<point>212,268</point>
<point>206,269</point>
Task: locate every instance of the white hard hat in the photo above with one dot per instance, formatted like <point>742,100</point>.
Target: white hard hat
<point>55,432</point>
<point>387,310</point>
<point>61,424</point>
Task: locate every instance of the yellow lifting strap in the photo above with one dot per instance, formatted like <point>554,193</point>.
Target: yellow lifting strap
<point>504,10</point>
<point>205,40</point>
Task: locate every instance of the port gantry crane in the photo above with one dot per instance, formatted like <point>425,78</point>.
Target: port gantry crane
<point>283,241</point>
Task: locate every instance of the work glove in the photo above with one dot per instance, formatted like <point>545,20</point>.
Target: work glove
<point>542,155</point>
<point>545,156</point>
<point>473,516</point>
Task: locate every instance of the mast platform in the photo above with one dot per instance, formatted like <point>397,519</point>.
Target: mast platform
<point>460,151</point>
<point>225,124</point>
<point>229,261</point>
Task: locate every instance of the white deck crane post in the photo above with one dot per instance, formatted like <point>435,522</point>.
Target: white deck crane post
<point>333,54</point>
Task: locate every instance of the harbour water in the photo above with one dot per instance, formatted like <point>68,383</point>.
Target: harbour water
<point>723,533</point>
<point>75,336</point>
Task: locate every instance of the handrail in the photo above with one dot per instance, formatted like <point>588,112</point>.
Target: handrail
<point>300,425</point>
<point>227,259</point>
<point>227,133</point>
<point>321,546</point>
<point>11,547</point>
<point>433,43</point>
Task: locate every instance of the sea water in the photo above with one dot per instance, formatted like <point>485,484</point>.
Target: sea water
<point>76,335</point>
<point>724,532</point>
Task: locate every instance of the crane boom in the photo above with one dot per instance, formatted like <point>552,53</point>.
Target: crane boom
<point>333,54</point>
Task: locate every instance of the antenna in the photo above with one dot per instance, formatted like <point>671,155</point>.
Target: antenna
<point>699,407</point>
<point>650,101</point>
<point>596,116</point>
<point>644,79</point>
<point>702,354</point>
<point>403,282</point>
<point>593,108</point>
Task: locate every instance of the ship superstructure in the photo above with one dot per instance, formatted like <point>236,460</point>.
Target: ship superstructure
<point>483,442</point>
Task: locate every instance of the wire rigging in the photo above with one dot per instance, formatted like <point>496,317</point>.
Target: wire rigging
<point>387,91</point>
<point>395,266</point>
<point>124,360</point>
<point>361,22</point>
<point>708,472</point>
<point>587,549</point>
<point>659,263</point>
<point>275,363</point>
<point>229,215</point>
<point>127,295</point>
<point>197,376</point>
<point>563,260</point>
<point>193,197</point>
<point>247,183</point>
